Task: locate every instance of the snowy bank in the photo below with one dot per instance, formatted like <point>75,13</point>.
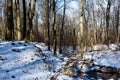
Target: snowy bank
<point>27,61</point>
<point>104,55</point>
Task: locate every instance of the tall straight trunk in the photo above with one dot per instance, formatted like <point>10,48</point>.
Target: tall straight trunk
<point>10,26</point>
<point>29,27</point>
<point>48,16</point>
<point>19,34</point>
<point>31,11</point>
<point>82,3</point>
<point>117,22</point>
<point>107,19</point>
<point>61,31</point>
<point>54,27</point>
<point>4,20</point>
<point>81,19</point>
<point>24,20</point>
<point>95,30</point>
<point>74,39</point>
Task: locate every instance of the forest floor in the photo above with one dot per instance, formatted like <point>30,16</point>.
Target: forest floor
<point>20,60</point>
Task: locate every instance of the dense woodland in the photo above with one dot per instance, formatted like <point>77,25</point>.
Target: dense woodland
<point>94,22</point>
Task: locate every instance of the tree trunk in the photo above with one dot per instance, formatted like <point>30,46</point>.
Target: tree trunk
<point>82,19</point>
<point>117,22</point>
<point>107,20</point>
<point>94,26</point>
<point>82,3</point>
<point>74,39</point>
<point>54,28</point>
<point>61,31</point>
<point>19,35</point>
<point>48,16</point>
<point>24,20</point>
<point>10,26</point>
<point>31,11</point>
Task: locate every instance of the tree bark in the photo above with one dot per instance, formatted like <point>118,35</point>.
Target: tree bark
<point>31,11</point>
<point>74,39</point>
<point>54,28</point>
<point>117,22</point>
<point>24,20</point>
<point>108,19</point>
<point>10,26</point>
<point>61,31</point>
<point>19,34</point>
<point>48,27</point>
<point>82,19</point>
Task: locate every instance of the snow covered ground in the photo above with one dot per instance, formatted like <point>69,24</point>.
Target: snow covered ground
<point>25,61</point>
<point>105,55</point>
<point>20,60</point>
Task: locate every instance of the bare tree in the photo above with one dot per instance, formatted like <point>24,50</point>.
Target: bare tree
<point>54,27</point>
<point>61,30</point>
<point>108,18</point>
<point>19,34</point>
<point>10,26</point>
<point>31,11</point>
<point>47,20</point>
<point>117,15</point>
<point>82,3</point>
<point>24,20</point>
